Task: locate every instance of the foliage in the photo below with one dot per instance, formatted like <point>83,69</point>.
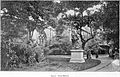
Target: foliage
<point>20,53</point>
<point>61,45</point>
<point>111,25</point>
<point>79,21</point>
<point>16,22</point>
<point>111,21</point>
<point>106,17</point>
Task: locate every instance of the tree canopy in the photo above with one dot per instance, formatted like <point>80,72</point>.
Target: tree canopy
<point>29,14</point>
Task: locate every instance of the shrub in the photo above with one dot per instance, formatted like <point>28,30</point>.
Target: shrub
<point>4,55</point>
<point>40,52</point>
<point>66,46</point>
<point>61,46</point>
<point>20,53</point>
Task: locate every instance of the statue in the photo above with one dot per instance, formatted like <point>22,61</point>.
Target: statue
<point>76,51</point>
<point>76,42</point>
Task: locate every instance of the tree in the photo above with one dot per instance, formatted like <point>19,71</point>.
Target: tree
<point>26,13</point>
<point>30,15</point>
<point>78,19</point>
<point>111,21</point>
<point>19,18</point>
<point>111,27</point>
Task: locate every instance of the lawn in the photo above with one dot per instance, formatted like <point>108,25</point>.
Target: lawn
<point>60,64</point>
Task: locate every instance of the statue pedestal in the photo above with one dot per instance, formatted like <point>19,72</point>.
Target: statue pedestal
<point>77,56</point>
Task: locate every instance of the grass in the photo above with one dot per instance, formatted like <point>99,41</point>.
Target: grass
<point>76,66</point>
<point>61,64</point>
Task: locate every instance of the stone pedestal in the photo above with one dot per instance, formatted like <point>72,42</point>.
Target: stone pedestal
<point>77,56</point>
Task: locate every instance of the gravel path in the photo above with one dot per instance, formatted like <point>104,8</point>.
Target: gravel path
<point>105,66</point>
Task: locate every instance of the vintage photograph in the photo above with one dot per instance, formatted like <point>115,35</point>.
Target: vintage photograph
<point>60,35</point>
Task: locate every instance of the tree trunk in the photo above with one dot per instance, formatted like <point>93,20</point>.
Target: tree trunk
<point>29,35</point>
<point>83,45</point>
